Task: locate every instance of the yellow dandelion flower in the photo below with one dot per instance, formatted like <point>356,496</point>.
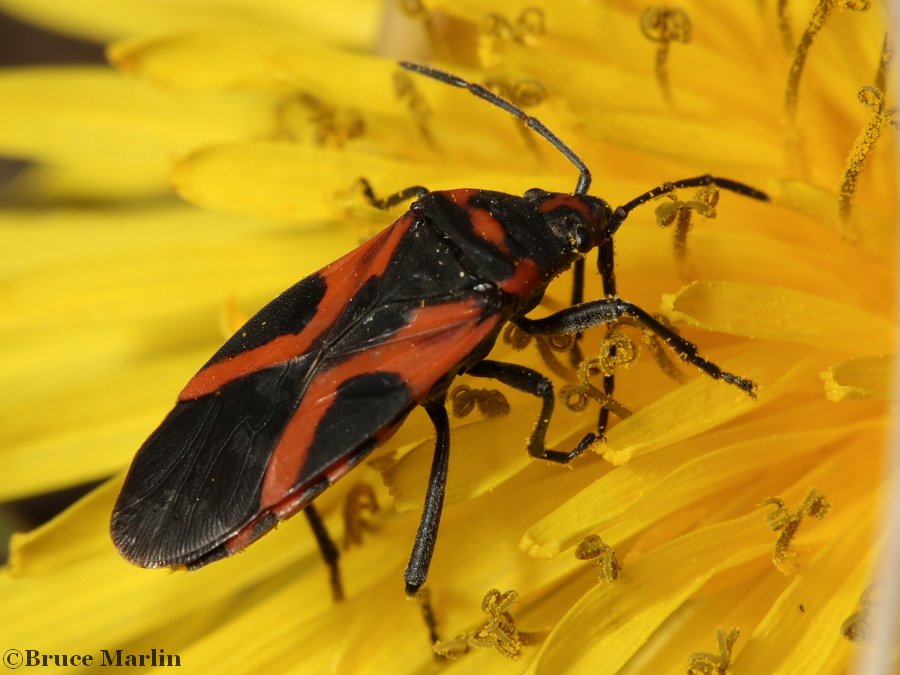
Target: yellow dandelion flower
<point>217,162</point>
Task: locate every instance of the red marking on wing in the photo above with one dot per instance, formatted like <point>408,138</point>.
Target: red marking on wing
<point>343,277</point>
<point>435,341</point>
<point>296,501</point>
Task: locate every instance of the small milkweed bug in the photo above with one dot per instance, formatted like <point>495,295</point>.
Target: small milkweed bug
<point>329,369</point>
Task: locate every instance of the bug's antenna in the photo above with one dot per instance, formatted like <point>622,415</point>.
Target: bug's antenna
<point>584,179</point>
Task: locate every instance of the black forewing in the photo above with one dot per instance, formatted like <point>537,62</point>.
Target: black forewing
<point>198,479</point>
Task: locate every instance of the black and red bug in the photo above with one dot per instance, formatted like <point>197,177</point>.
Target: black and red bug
<point>328,370</point>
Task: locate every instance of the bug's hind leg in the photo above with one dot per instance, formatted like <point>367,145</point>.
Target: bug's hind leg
<point>423,597</point>
<point>330,552</point>
<point>391,200</point>
<point>423,548</point>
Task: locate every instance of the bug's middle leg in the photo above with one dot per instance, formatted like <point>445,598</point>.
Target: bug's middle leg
<point>534,383</point>
<point>385,203</point>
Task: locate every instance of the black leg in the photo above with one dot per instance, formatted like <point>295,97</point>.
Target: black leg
<point>575,355</point>
<point>390,200</point>
<point>600,312</point>
<point>606,268</point>
<point>423,597</point>
<point>423,548</point>
<point>329,551</point>
<point>534,383</point>
<point>609,387</point>
<point>578,282</point>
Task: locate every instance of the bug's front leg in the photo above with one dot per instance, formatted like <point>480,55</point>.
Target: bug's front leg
<point>385,203</point>
<point>532,382</point>
<point>600,312</point>
<point>607,270</point>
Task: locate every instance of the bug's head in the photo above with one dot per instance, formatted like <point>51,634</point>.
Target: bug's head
<point>578,221</point>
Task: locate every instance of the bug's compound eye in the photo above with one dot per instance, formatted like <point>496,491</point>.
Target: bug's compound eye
<point>536,195</point>
<point>581,235</point>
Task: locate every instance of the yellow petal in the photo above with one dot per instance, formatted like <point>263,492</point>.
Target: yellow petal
<point>97,346</point>
<point>249,60</point>
<point>876,234</point>
<point>651,487</point>
<point>43,184</point>
<point>688,140</point>
<point>477,464</point>
<point>76,116</point>
<point>128,280</point>
<point>86,431</point>
<point>76,549</point>
<point>775,313</point>
<point>307,183</point>
<point>205,61</point>
<point>828,588</point>
<point>277,180</point>
<point>107,305</point>
<point>860,378</point>
<point>612,622</point>
<point>351,23</point>
<point>705,403</point>
<point>69,539</point>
